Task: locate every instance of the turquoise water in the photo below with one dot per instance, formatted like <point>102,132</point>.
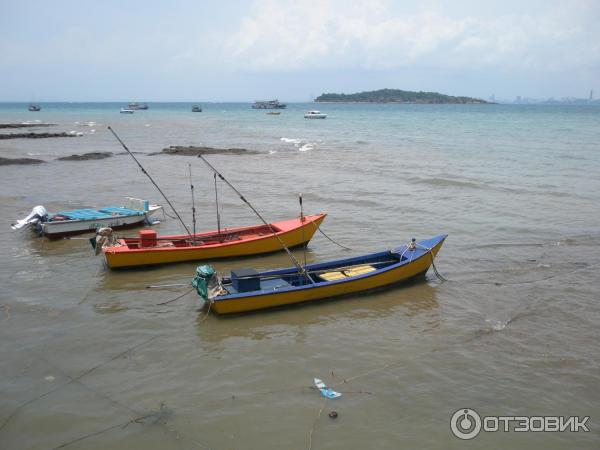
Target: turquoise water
<point>514,332</point>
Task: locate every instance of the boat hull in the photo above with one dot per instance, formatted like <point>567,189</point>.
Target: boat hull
<point>293,233</point>
<point>393,275</point>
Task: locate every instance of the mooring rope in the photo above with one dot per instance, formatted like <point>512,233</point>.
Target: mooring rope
<point>210,302</point>
<point>318,227</point>
<point>435,271</point>
<point>176,298</point>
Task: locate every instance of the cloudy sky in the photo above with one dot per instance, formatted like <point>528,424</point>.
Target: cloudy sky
<point>295,50</point>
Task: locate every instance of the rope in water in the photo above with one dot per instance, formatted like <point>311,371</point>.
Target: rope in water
<point>435,271</point>
<point>176,298</point>
<point>318,227</point>
<point>497,283</point>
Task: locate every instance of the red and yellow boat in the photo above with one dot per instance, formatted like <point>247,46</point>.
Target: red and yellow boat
<point>149,249</point>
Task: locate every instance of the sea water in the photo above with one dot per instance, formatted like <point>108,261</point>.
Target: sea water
<point>91,359</point>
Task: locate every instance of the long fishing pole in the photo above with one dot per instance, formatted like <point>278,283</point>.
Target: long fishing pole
<point>301,269</point>
<point>217,205</point>
<point>148,175</point>
<point>193,204</point>
<point>302,220</point>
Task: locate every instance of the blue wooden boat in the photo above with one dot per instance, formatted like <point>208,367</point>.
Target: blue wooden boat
<point>248,290</point>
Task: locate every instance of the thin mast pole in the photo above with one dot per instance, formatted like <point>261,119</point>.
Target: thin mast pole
<point>301,269</point>
<point>193,203</point>
<point>217,205</point>
<point>153,182</point>
<point>302,220</point>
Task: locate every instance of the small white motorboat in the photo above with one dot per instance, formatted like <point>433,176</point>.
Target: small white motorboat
<point>65,223</point>
<point>127,111</point>
<point>315,115</point>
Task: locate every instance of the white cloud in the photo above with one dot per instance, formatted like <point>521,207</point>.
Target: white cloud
<point>281,35</point>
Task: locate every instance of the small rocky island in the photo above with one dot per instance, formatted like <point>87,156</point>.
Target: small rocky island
<point>193,150</point>
<point>86,156</point>
<point>396,96</point>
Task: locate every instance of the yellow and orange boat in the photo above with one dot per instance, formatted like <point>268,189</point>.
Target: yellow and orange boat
<point>149,249</point>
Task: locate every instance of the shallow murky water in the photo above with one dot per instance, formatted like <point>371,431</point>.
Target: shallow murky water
<point>91,360</point>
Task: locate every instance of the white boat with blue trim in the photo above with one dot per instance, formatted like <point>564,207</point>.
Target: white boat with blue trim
<point>87,220</point>
<point>315,115</point>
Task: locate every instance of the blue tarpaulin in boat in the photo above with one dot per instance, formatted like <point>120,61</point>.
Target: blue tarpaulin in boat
<point>84,214</point>
<point>121,211</point>
<point>95,214</point>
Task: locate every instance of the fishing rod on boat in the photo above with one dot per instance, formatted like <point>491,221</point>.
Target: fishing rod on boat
<point>193,204</point>
<point>301,269</point>
<point>217,205</point>
<point>150,178</point>
<point>302,220</point>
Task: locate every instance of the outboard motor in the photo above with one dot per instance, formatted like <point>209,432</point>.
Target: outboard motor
<point>206,282</point>
<point>104,238</point>
<point>37,214</point>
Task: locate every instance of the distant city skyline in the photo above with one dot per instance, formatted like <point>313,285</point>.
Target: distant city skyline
<point>242,51</point>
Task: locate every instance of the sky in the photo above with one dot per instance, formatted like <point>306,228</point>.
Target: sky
<point>179,50</point>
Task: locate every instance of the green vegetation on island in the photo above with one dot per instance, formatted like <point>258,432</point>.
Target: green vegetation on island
<point>396,96</point>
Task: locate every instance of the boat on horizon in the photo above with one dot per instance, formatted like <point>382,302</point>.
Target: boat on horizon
<point>87,220</point>
<point>269,104</point>
<point>148,248</point>
<point>136,106</point>
<point>248,290</point>
<point>34,107</point>
<point>196,108</point>
<point>315,115</point>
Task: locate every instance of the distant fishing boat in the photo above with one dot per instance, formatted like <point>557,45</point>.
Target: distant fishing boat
<point>87,220</point>
<point>196,108</point>
<point>315,115</point>
<point>135,106</point>
<point>248,290</point>
<point>149,249</point>
<point>270,104</point>
<point>34,107</point>
<point>127,111</point>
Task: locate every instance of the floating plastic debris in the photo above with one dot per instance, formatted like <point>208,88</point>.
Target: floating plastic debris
<point>329,393</point>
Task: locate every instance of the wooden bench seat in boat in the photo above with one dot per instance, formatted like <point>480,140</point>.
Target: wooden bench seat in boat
<point>351,272</point>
